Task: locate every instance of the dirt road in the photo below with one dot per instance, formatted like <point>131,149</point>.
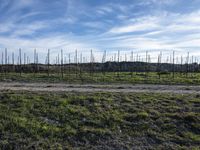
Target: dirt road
<point>49,87</point>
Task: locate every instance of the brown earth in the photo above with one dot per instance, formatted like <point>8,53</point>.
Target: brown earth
<point>49,87</point>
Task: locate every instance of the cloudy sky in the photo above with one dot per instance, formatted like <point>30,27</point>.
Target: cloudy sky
<point>100,25</point>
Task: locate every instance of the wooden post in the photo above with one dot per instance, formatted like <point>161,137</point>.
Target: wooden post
<point>80,67</point>
<point>181,71</point>
<point>6,61</point>
<point>24,61</point>
<point>2,58</point>
<point>173,64</point>
<point>13,62</point>
<point>69,64</point>
<point>188,57</point>
<point>62,63</point>
<point>20,61</point>
<point>48,61</point>
<point>91,62</point>
<point>158,66</point>
<point>76,61</point>
<point>34,61</point>
<point>118,63</point>
<point>146,63</point>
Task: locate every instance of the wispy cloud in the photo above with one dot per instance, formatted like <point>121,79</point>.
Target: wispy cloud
<point>147,24</point>
<point>69,24</point>
<point>104,10</point>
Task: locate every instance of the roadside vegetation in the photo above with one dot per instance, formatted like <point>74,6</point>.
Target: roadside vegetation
<point>99,120</point>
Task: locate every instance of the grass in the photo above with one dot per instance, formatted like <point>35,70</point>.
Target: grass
<point>109,77</point>
<point>99,121</point>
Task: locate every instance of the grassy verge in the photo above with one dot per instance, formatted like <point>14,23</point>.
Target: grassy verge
<point>99,121</point>
<point>111,77</point>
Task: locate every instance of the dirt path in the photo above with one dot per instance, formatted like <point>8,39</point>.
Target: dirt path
<point>49,87</point>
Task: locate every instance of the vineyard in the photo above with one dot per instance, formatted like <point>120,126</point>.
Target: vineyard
<point>116,67</point>
<point>93,101</point>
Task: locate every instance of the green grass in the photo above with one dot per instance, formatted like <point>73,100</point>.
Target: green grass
<point>99,121</point>
<point>109,77</point>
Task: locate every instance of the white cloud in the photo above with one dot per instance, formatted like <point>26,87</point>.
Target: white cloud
<point>29,29</point>
<point>144,26</point>
<point>94,24</point>
<point>164,2</point>
<point>161,31</point>
<point>104,10</point>
<point>146,23</point>
<point>6,27</point>
<point>53,42</point>
<point>149,30</point>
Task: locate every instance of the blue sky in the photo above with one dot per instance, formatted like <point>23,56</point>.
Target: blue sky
<point>100,25</point>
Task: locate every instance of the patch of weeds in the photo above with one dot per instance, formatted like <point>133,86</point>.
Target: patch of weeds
<point>142,115</point>
<point>191,117</point>
<point>191,136</point>
<point>98,120</point>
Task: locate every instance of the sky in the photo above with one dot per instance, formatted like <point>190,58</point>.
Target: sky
<point>129,25</point>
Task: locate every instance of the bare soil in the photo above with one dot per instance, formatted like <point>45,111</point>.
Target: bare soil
<point>125,88</point>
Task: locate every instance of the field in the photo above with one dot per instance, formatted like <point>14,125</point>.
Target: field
<point>87,107</point>
<point>106,78</point>
<point>100,75</point>
<point>99,120</point>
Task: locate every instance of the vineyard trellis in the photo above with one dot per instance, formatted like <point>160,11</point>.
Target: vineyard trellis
<point>119,63</point>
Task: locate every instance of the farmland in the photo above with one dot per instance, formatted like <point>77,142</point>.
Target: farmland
<point>100,75</point>
<point>100,120</point>
<point>99,105</point>
<point>106,78</point>
<point>75,67</point>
